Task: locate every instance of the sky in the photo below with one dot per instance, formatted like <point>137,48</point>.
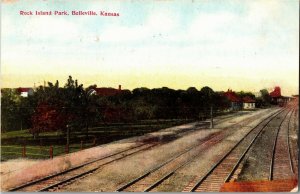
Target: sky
<point>242,45</point>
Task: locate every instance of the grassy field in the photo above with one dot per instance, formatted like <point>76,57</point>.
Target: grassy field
<point>12,143</point>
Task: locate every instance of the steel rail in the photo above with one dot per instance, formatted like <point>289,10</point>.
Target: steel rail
<point>288,143</point>
<point>166,176</point>
<point>68,170</point>
<point>91,170</point>
<point>160,165</point>
<point>173,171</point>
<point>274,148</point>
<point>71,169</point>
<point>164,163</point>
<point>199,182</point>
<point>239,161</point>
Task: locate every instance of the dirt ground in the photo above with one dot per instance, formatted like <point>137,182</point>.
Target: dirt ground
<point>10,166</point>
<point>111,176</point>
<point>257,161</point>
<point>201,164</point>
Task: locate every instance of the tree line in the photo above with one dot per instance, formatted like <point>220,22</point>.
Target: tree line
<point>73,107</point>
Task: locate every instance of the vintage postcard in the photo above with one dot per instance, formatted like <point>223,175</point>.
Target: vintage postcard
<point>149,96</point>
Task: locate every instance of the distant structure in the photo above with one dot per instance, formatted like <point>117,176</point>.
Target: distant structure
<point>109,91</point>
<point>235,101</point>
<point>276,97</point>
<point>276,93</point>
<point>25,92</point>
<point>248,103</point>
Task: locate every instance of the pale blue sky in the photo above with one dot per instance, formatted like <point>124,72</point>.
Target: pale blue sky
<point>243,45</point>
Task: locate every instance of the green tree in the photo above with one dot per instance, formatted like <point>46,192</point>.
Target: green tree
<point>10,112</point>
<point>89,108</point>
<point>16,110</point>
<point>207,96</point>
<point>243,94</point>
<point>55,103</point>
<point>265,96</point>
<point>48,114</point>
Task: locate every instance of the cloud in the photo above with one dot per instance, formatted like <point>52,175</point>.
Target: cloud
<point>261,11</point>
<point>156,23</point>
<point>50,28</point>
<point>123,33</point>
<point>246,43</point>
<point>209,25</point>
<point>161,22</point>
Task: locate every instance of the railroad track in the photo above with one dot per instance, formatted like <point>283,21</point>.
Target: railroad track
<point>293,140</point>
<point>61,178</point>
<point>58,179</point>
<point>151,179</point>
<point>179,158</point>
<point>228,118</point>
<point>225,167</point>
<point>55,181</point>
<point>282,164</point>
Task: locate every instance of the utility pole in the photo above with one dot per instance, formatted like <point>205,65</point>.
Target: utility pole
<point>211,117</point>
<point>68,136</point>
<point>211,111</point>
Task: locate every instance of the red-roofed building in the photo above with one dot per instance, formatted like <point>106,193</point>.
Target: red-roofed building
<point>236,102</point>
<point>108,91</point>
<point>25,92</point>
<point>248,103</point>
<point>276,97</point>
<point>276,93</point>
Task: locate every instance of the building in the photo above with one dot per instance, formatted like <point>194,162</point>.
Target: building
<point>108,91</point>
<point>277,98</point>
<point>235,101</point>
<point>248,103</point>
<point>276,95</point>
<point>25,92</point>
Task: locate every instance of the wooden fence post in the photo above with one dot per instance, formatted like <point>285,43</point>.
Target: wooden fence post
<point>24,151</point>
<point>67,149</point>
<point>94,142</point>
<point>51,152</point>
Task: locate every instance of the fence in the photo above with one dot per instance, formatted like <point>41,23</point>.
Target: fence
<point>42,152</point>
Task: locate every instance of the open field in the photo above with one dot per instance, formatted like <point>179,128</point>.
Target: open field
<point>12,142</point>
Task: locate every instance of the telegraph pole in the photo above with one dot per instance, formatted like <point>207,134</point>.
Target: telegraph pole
<point>211,111</point>
<point>68,136</point>
<point>211,117</point>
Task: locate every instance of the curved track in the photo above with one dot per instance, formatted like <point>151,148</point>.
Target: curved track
<point>157,174</point>
<point>224,168</point>
<point>153,178</point>
<point>282,164</point>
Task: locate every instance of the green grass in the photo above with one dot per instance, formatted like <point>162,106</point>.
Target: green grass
<point>25,133</point>
<point>38,152</point>
<point>13,141</point>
